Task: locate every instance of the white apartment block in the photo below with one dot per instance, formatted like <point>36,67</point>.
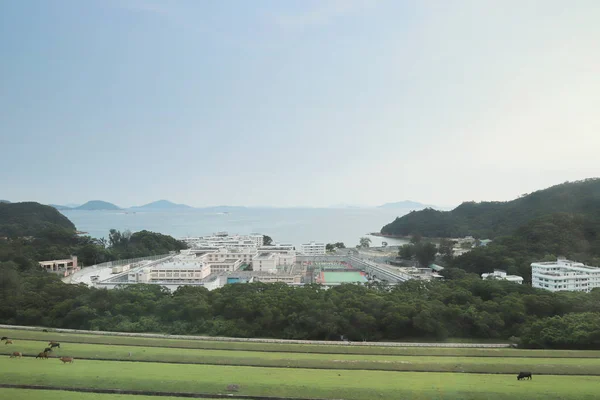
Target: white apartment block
<point>224,240</point>
<point>312,249</point>
<point>563,274</point>
<point>244,255</point>
<point>501,275</point>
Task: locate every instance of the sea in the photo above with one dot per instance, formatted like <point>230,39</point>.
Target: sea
<point>289,225</point>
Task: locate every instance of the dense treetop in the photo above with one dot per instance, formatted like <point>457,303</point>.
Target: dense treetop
<point>493,219</point>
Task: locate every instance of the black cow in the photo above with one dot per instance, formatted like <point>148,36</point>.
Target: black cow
<point>47,350</point>
<point>524,375</point>
<point>53,345</point>
<point>4,338</point>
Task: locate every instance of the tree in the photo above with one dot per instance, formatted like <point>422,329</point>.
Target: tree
<point>333,246</point>
<point>416,238</point>
<point>425,253</point>
<point>407,252</point>
<point>364,242</point>
<point>446,249</point>
<point>267,240</point>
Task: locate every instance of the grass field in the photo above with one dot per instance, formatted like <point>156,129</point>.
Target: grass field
<point>356,385</point>
<point>563,366</point>
<point>24,394</point>
<point>296,348</point>
<point>321,371</point>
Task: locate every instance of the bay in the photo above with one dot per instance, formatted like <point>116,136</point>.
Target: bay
<point>291,225</point>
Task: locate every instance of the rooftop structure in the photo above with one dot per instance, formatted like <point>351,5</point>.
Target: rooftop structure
<point>564,274</point>
<point>501,275</point>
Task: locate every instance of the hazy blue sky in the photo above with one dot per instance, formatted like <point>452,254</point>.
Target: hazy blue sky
<point>296,102</point>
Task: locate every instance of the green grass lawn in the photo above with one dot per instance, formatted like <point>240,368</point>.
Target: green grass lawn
<point>552,365</point>
<point>26,394</point>
<point>297,348</point>
<point>352,385</point>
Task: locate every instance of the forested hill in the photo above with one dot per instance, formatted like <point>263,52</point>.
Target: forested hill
<point>30,219</point>
<point>492,219</point>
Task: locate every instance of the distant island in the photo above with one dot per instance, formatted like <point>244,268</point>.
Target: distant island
<point>162,205</point>
<point>92,205</point>
<point>406,204</point>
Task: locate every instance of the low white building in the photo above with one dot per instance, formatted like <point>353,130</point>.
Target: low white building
<point>244,255</point>
<point>501,275</point>
<point>564,274</point>
<point>224,240</point>
<point>265,262</point>
<point>313,249</point>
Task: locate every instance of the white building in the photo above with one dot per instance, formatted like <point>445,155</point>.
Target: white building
<point>214,256</point>
<point>265,262</point>
<point>501,275</point>
<point>563,274</point>
<point>224,240</point>
<point>313,249</point>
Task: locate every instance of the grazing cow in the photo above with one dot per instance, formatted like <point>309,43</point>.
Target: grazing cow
<point>16,354</point>
<point>54,344</point>
<point>524,375</point>
<point>4,338</point>
<point>8,341</point>
<point>43,355</point>
<point>47,350</point>
<point>233,388</point>
<point>44,330</point>
<point>66,360</point>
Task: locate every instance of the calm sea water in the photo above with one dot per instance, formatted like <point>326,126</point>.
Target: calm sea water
<point>295,226</point>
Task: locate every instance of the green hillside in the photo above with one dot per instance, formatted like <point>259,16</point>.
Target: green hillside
<point>492,219</point>
<point>29,219</point>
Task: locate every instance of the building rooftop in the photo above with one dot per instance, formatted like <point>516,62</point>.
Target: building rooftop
<point>263,256</point>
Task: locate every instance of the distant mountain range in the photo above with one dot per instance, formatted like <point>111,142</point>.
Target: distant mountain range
<point>406,204</point>
<point>92,205</point>
<point>99,205</point>
<point>162,205</point>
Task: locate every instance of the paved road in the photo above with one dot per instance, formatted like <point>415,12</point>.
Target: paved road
<point>259,340</point>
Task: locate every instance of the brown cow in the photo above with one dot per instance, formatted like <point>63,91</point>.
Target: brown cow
<point>66,360</point>
<point>8,341</point>
<point>43,355</point>
<point>16,354</point>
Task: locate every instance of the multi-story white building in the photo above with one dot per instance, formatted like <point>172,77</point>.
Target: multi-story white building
<point>501,275</point>
<point>312,249</point>
<point>224,240</point>
<point>217,255</point>
<point>563,274</point>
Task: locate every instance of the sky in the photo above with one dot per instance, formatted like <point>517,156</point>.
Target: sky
<point>296,103</point>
